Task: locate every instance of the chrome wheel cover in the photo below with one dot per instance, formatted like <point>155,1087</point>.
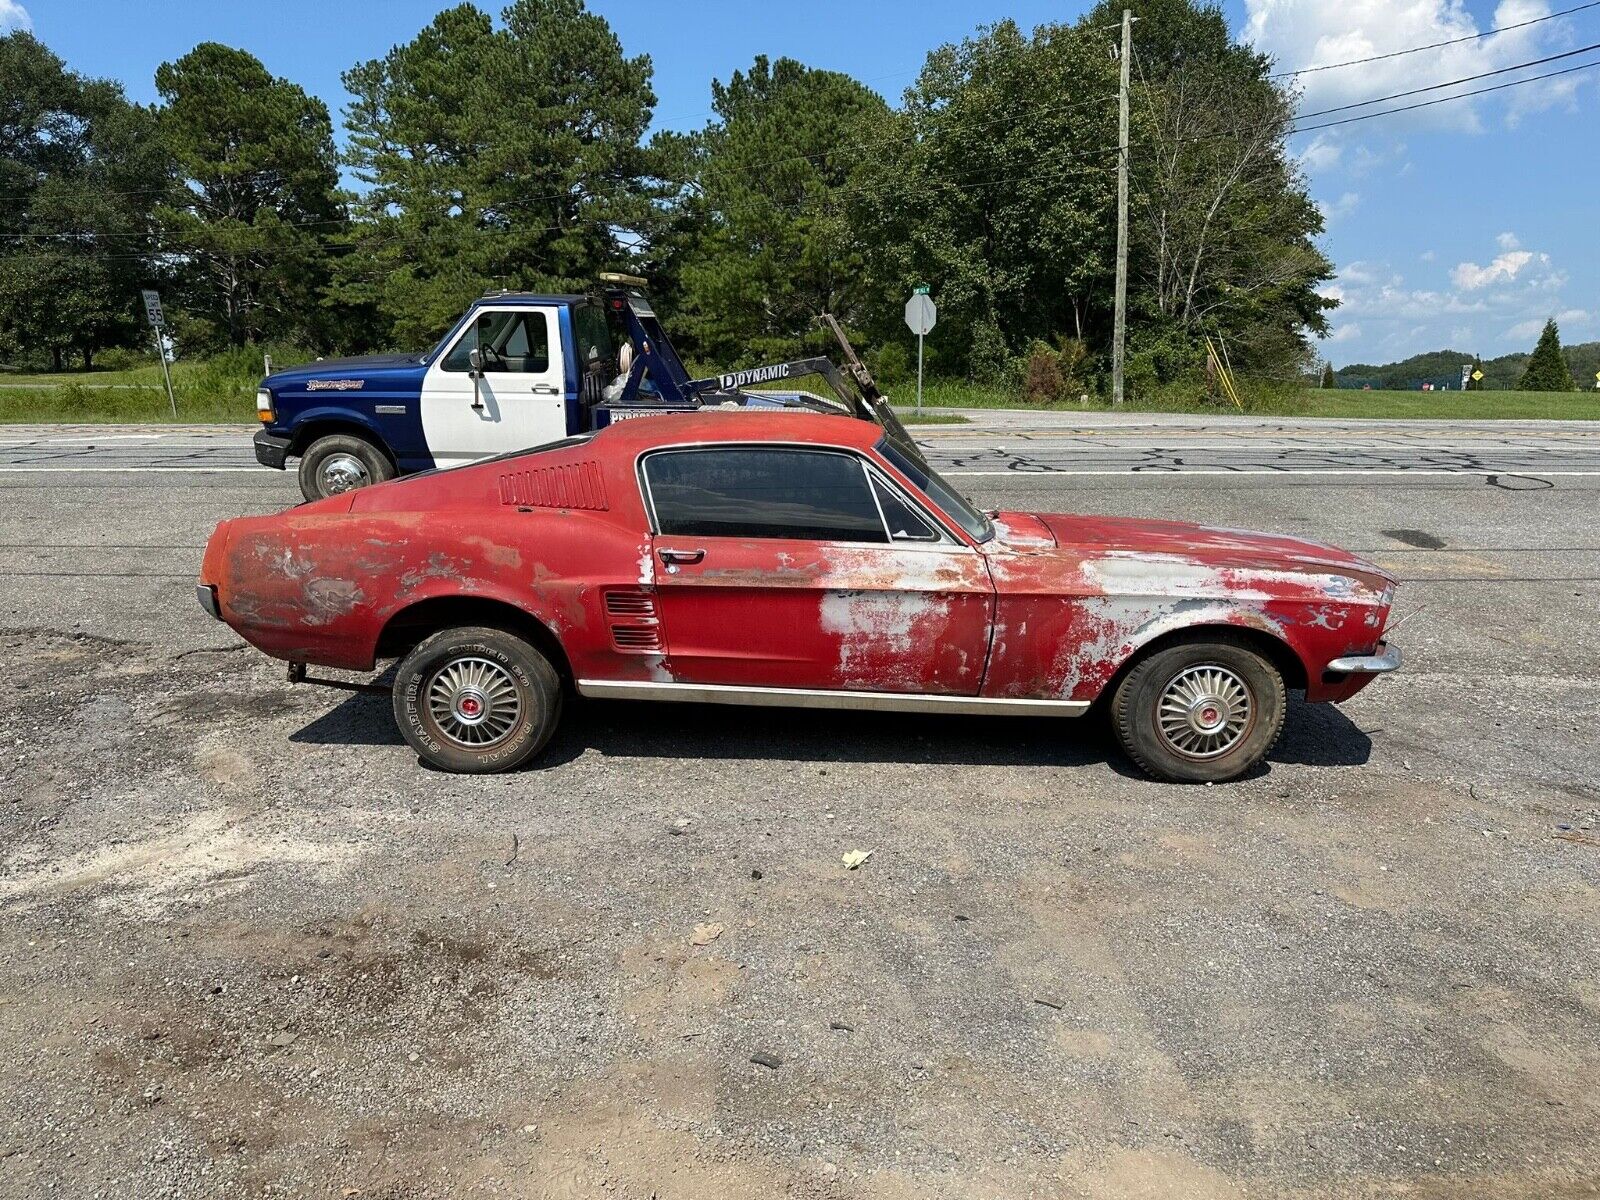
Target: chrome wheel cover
<point>474,702</point>
<point>341,472</point>
<point>1204,712</point>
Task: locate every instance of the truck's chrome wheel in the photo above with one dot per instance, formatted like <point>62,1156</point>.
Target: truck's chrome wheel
<point>1204,711</point>
<point>341,472</point>
<point>474,702</point>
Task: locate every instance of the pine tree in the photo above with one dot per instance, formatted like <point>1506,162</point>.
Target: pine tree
<point>1328,381</point>
<point>494,153</point>
<point>258,198</point>
<point>1547,369</point>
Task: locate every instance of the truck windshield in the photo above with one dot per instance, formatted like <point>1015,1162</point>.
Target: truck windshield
<point>914,467</point>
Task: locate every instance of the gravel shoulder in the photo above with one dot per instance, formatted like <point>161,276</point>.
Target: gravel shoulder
<point>253,948</point>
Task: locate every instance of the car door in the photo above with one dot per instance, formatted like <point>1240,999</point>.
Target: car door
<point>518,399</point>
<point>777,566</point>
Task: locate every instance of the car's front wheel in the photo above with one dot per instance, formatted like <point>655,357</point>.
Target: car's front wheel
<point>341,462</point>
<point>1199,712</point>
<point>476,700</point>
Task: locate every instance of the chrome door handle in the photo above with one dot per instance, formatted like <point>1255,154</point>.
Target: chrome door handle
<point>674,557</point>
<point>541,389</point>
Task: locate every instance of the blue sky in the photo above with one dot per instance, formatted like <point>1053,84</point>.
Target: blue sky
<point>1462,225</point>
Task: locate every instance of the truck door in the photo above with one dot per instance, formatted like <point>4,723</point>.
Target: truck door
<point>521,391</point>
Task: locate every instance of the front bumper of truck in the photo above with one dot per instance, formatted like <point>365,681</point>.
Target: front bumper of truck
<point>271,449</point>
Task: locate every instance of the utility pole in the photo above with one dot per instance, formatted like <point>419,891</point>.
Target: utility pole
<point>1120,326</point>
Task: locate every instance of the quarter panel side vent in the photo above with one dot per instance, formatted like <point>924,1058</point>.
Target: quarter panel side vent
<point>635,626</point>
<point>564,485</point>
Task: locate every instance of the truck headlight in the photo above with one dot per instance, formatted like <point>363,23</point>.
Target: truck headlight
<point>264,406</point>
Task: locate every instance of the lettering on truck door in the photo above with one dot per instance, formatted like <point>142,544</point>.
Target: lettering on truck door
<point>521,389</point>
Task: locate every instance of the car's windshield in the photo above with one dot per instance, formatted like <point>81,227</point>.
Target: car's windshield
<point>909,460</point>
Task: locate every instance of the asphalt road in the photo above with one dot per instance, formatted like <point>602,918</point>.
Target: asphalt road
<point>253,948</point>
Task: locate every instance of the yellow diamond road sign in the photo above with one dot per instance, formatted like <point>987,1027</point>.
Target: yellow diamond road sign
<point>1477,375</point>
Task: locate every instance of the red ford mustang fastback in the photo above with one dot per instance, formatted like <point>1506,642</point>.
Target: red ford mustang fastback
<point>790,559</point>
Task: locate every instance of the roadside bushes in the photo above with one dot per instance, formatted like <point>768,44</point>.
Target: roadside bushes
<point>1056,374</point>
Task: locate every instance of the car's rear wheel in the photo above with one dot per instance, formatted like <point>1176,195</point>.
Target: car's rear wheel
<point>1199,712</point>
<point>476,700</point>
<point>341,462</point>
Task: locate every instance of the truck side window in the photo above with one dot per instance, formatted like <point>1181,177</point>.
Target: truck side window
<point>816,495</point>
<point>515,341</point>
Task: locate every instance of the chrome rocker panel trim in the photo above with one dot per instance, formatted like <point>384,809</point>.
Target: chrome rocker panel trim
<point>771,697</point>
<point>1387,659</point>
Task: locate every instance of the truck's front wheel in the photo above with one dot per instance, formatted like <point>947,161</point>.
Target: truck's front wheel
<point>341,462</point>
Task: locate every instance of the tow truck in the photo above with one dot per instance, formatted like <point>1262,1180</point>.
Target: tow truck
<point>517,370</point>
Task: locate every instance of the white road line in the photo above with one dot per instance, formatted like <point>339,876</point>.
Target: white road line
<point>1159,471</point>
<point>1528,471</point>
<point>118,470</point>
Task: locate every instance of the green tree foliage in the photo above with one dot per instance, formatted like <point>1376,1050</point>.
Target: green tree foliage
<point>1328,381</point>
<point>494,156</point>
<point>510,153</point>
<point>995,184</point>
<point>775,249</point>
<point>78,171</point>
<point>1547,369</point>
<point>1499,374</point>
<point>257,203</point>
<point>1222,223</point>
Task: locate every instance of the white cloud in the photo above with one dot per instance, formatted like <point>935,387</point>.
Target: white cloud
<point>1345,333</point>
<point>1333,210</point>
<point>1489,308</point>
<point>1312,33</point>
<point>1507,266</point>
<point>1568,318</point>
<point>1427,256</point>
<point>1508,241</point>
<point>13,16</point>
<point>1366,160</point>
<point>1323,151</point>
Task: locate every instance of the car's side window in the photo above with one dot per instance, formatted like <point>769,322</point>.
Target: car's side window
<point>761,492</point>
<point>905,523</point>
<point>515,341</point>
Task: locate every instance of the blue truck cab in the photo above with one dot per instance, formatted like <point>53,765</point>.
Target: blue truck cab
<point>516,370</point>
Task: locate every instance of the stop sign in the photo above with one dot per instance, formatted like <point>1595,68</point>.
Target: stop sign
<point>921,313</point>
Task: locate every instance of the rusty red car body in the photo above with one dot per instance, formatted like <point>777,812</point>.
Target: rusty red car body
<point>1044,615</point>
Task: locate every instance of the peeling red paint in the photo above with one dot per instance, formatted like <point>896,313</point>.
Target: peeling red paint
<point>1051,607</point>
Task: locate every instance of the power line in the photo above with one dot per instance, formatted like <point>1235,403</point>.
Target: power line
<point>1434,87</point>
<point>1446,99</point>
<point>1471,37</point>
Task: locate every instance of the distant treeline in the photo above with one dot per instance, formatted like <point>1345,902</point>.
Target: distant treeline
<point>1442,368</point>
<point>513,152</point>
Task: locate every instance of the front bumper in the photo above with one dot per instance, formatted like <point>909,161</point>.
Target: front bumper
<point>271,449</point>
<point>1385,660</point>
<point>206,593</point>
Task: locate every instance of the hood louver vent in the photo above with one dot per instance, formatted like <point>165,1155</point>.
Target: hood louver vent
<point>634,625</point>
<point>567,485</point>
